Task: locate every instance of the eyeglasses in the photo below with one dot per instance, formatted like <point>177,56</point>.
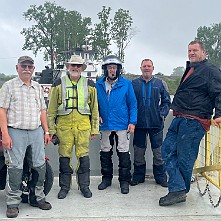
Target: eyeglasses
<point>26,65</point>
<point>78,65</point>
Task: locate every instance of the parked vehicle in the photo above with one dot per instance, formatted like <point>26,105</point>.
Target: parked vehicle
<point>47,77</point>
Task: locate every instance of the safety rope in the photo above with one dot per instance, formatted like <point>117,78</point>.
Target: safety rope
<point>207,190</point>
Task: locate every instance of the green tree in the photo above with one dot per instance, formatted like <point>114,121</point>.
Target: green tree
<point>42,35</point>
<point>101,34</point>
<point>73,34</point>
<point>54,30</point>
<point>78,28</point>
<point>178,71</point>
<point>58,31</point>
<point>117,31</point>
<point>121,31</point>
<point>211,37</point>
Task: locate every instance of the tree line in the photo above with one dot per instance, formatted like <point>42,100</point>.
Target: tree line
<point>57,32</point>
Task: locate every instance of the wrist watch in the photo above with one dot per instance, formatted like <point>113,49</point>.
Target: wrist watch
<point>47,132</point>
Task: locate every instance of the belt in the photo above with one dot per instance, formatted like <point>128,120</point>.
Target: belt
<point>187,117</point>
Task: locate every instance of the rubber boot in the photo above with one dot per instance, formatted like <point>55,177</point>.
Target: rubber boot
<point>138,175</point>
<point>64,183</point>
<point>124,171</point>
<point>65,177</point>
<point>83,175</point>
<point>139,166</point>
<point>106,169</point>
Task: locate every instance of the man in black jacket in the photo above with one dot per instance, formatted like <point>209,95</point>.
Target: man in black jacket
<point>198,94</point>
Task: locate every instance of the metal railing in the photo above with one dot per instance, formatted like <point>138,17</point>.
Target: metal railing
<point>208,163</point>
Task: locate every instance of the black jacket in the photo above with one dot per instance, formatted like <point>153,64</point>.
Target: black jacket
<point>200,93</point>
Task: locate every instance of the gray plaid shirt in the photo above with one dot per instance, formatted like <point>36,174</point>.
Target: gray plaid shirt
<point>23,103</point>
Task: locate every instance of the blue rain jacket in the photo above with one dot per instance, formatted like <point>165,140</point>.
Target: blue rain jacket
<point>119,107</point>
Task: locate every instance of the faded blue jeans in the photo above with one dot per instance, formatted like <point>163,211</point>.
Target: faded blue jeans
<point>179,151</point>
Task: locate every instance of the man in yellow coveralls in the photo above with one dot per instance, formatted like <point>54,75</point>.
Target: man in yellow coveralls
<point>73,117</point>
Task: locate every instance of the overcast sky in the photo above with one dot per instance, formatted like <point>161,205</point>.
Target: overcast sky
<point>165,27</point>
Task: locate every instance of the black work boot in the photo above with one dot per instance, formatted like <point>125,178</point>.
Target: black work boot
<point>136,182</point>
<point>64,183</point>
<point>106,169</point>
<point>104,184</point>
<point>62,194</point>
<point>124,171</point>
<point>172,198</point>
<point>83,176</point>
<point>124,186</point>
<point>86,192</point>
<point>65,177</point>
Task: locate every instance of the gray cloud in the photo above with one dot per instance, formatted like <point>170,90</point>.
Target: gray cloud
<point>165,28</point>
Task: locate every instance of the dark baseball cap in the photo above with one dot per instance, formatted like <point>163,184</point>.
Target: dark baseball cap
<point>22,59</point>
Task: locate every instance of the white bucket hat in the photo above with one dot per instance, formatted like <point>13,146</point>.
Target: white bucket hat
<point>76,59</point>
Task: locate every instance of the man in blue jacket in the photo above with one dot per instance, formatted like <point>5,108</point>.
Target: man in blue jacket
<point>118,113</point>
<point>153,102</point>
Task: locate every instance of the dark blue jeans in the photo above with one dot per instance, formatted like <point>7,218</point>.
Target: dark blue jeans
<point>179,151</point>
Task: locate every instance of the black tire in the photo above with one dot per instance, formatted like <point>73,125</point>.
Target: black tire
<point>3,173</point>
<point>49,178</point>
<point>3,170</point>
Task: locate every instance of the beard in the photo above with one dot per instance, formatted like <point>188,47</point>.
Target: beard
<point>74,74</point>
